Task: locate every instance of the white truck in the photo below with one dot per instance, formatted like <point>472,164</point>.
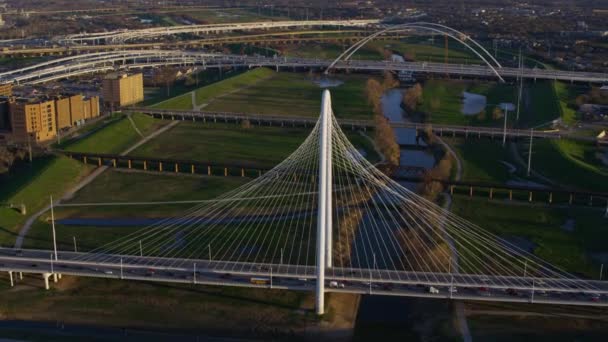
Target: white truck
<point>433,290</point>
<point>334,284</point>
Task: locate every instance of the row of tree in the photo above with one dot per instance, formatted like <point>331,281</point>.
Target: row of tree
<point>385,138</point>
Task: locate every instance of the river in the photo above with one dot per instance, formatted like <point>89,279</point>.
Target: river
<point>388,315</point>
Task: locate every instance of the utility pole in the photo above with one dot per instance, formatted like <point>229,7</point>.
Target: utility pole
<point>530,151</point>
<point>521,85</point>
<point>504,134</point>
<point>601,271</point>
<point>120,268</point>
<point>141,249</point>
<point>53,228</point>
<point>75,249</point>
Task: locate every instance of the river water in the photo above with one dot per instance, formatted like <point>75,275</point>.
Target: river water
<point>392,315</point>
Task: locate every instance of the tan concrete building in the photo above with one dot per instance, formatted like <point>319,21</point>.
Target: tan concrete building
<point>63,113</point>
<point>120,90</point>
<point>6,89</point>
<point>34,118</point>
<point>76,109</point>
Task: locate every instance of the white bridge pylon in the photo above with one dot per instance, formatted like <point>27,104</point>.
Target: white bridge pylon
<point>326,213</point>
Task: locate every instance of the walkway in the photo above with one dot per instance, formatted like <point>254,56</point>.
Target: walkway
<point>27,226</point>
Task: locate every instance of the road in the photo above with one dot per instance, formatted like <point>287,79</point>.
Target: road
<point>302,278</point>
<point>138,59</point>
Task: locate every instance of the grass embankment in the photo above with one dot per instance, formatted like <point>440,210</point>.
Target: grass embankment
<point>543,226</point>
<point>295,94</point>
<point>263,147</point>
<point>425,51</point>
<point>206,93</point>
<point>332,51</point>
<point>189,309</point>
<point>263,91</point>
<point>32,185</point>
<point>475,162</point>
<point>124,186</point>
<point>115,137</point>
<point>442,101</point>
<point>570,163</point>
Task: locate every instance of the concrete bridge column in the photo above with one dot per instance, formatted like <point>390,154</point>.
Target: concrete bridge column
<point>84,159</point>
<point>225,172</point>
<point>242,172</point>
<point>114,162</point>
<point>192,168</point>
<point>530,197</point>
<point>145,165</point>
<point>176,168</point>
<point>208,170</point>
<point>10,276</point>
<point>491,192</point>
<point>55,277</point>
<point>99,161</point>
<point>550,197</point>
<point>571,199</point>
<point>160,166</point>
<point>20,275</point>
<point>510,195</point>
<point>46,276</point>
<point>129,163</point>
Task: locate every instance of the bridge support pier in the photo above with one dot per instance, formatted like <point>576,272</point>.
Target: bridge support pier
<point>46,276</point>
<point>20,275</point>
<point>55,276</point>
<point>325,154</point>
<point>10,276</point>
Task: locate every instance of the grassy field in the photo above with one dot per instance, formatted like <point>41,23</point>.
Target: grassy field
<point>331,51</point>
<point>539,103</point>
<point>186,309</point>
<point>229,15</point>
<point>206,93</point>
<point>32,186</point>
<point>570,163</point>
<point>116,137</point>
<point>258,146</point>
<point>542,226</point>
<point>295,94</point>
<point>442,100</point>
<point>422,50</point>
<point>476,164</point>
<point>565,95</point>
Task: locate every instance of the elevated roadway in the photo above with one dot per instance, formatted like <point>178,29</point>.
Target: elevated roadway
<point>293,277</point>
<point>287,120</point>
<point>126,35</point>
<point>138,59</point>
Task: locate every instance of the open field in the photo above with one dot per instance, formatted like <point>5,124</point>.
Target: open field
<point>32,186</point>
<point>442,101</point>
<point>476,164</point>
<point>420,49</point>
<point>295,94</point>
<point>569,248</point>
<point>570,163</point>
<point>187,308</point>
<point>229,15</point>
<point>331,51</point>
<point>117,136</point>
<point>263,147</point>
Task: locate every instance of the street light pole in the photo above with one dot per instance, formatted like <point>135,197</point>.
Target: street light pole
<point>525,267</point>
<point>75,249</point>
<point>601,271</point>
<point>120,268</point>
<point>530,151</point>
<point>194,274</point>
<point>504,130</point>
<point>141,249</point>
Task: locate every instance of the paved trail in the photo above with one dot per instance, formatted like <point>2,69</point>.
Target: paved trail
<point>27,226</point>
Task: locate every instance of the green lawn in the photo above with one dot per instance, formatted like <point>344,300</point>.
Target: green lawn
<point>539,103</point>
<point>258,146</point>
<point>115,137</point>
<point>296,94</point>
<point>542,226</point>
<point>33,186</point>
<point>332,51</point>
<point>570,163</point>
<point>422,50</point>
<point>442,101</point>
<point>566,94</point>
<point>476,165</point>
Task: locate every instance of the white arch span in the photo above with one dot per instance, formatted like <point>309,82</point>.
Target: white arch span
<point>442,29</point>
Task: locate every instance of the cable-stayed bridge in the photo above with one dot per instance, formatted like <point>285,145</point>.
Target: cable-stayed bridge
<point>324,219</point>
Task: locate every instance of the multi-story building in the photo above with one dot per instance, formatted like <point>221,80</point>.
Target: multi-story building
<point>62,110</point>
<point>120,90</point>
<point>73,110</point>
<point>33,119</point>
<point>6,89</point>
